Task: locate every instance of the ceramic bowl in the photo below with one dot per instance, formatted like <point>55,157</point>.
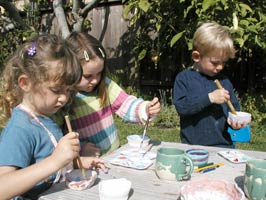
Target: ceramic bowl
<point>198,156</point>
<point>135,140</point>
<point>211,189</point>
<point>240,117</point>
<point>76,181</point>
<point>114,189</point>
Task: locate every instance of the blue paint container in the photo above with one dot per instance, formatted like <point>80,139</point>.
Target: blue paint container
<point>198,156</point>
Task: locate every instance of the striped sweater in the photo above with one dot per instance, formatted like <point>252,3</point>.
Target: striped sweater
<point>95,124</point>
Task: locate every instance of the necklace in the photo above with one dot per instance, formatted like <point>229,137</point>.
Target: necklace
<point>50,134</point>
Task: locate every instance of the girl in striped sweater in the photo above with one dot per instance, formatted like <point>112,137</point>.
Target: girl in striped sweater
<point>98,98</point>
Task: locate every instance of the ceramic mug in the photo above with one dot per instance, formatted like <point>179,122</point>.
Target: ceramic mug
<point>173,164</point>
<point>255,179</point>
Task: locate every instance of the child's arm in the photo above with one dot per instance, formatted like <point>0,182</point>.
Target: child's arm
<point>18,181</point>
<point>129,107</point>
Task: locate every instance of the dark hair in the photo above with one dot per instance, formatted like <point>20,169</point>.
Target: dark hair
<point>45,58</point>
<point>83,44</point>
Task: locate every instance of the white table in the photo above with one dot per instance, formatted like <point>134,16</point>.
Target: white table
<point>145,183</point>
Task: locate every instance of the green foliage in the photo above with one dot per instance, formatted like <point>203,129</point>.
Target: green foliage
<point>10,41</point>
<point>8,44</point>
<point>256,105</point>
<point>175,21</point>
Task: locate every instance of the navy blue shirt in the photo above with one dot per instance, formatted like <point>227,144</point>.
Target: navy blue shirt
<point>201,122</point>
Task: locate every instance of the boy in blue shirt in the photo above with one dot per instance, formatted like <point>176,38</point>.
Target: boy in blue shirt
<point>202,107</point>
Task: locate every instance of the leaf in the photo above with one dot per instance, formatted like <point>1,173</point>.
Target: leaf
<point>206,4</point>
<point>240,41</point>
<point>142,54</point>
<point>246,7</point>
<point>235,21</point>
<point>244,22</point>
<point>144,5</point>
<point>176,38</point>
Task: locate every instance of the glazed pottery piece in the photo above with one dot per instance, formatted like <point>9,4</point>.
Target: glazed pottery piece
<point>210,189</point>
<point>173,164</point>
<point>255,179</point>
<point>198,156</point>
<point>76,181</point>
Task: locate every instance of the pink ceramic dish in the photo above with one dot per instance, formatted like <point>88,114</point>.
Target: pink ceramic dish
<point>207,189</point>
<point>76,181</point>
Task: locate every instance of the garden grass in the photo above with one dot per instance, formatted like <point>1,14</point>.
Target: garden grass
<point>257,143</point>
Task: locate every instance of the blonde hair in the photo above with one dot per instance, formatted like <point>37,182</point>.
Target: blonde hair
<point>210,37</point>
<point>89,48</point>
<point>45,58</point>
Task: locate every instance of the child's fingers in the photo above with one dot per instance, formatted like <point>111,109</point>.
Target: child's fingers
<point>99,164</point>
<point>72,135</point>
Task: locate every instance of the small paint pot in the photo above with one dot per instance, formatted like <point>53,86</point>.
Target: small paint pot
<point>198,156</point>
<point>135,141</point>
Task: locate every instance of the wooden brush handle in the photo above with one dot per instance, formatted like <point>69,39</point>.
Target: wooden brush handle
<point>230,105</point>
<point>78,158</point>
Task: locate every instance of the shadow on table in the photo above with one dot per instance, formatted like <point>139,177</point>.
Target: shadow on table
<point>153,143</point>
<point>130,193</point>
<point>240,182</point>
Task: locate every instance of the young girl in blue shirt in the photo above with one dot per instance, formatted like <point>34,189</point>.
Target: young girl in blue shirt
<point>37,82</point>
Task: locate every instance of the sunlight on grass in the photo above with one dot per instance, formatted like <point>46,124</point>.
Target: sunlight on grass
<point>257,143</point>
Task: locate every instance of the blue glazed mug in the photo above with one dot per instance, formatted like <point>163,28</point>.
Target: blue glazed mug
<point>255,179</point>
<point>173,164</point>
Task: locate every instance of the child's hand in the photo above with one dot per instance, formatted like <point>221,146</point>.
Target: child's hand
<point>93,162</point>
<point>219,96</point>
<point>66,150</point>
<point>154,107</point>
<point>236,125</point>
<point>90,149</point>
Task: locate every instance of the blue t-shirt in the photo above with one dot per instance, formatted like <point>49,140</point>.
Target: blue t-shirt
<point>24,142</point>
<point>202,122</point>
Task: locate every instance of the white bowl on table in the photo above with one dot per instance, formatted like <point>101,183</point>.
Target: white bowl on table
<point>114,189</point>
<point>240,117</point>
<point>135,140</point>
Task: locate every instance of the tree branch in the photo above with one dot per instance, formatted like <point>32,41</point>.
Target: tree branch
<point>61,17</point>
<point>14,14</point>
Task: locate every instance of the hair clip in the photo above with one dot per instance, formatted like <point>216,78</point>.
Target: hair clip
<point>86,55</point>
<point>103,55</point>
<point>31,51</point>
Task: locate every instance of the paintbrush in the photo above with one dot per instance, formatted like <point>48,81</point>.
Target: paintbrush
<point>230,105</point>
<point>78,158</point>
<point>144,131</point>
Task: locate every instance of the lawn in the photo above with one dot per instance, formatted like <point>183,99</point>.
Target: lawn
<point>171,134</point>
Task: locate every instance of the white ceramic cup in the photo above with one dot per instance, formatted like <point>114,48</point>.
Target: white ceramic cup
<point>114,189</point>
